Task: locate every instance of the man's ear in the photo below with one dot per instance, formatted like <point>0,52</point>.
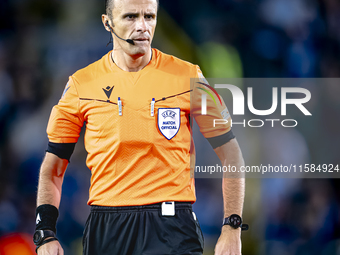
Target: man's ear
<point>106,22</point>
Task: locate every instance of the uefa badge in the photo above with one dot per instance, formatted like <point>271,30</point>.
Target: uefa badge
<point>169,121</point>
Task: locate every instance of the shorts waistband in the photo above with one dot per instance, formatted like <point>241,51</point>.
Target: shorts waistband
<point>178,206</point>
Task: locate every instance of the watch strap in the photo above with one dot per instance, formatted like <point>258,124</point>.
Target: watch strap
<point>44,234</point>
<point>244,227</point>
<point>45,242</point>
<point>226,221</point>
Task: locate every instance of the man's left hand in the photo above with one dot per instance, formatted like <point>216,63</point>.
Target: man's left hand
<point>229,242</point>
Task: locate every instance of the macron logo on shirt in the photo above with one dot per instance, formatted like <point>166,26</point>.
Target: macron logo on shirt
<point>108,91</point>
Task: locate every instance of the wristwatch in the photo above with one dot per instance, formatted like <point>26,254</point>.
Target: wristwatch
<point>40,235</point>
<point>235,221</point>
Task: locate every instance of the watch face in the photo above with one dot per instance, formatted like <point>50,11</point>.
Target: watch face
<point>235,221</point>
<point>37,237</point>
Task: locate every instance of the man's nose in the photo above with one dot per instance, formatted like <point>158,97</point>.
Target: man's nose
<point>141,25</point>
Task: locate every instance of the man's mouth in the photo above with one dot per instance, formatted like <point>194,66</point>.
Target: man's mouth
<point>141,39</point>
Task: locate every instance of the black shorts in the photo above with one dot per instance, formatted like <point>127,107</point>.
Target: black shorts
<point>137,230</point>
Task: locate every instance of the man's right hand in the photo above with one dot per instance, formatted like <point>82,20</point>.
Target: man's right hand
<point>51,248</point>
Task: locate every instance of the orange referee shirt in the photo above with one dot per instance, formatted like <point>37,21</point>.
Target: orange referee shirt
<point>138,150</point>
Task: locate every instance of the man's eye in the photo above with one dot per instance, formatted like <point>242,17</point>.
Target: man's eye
<point>131,16</point>
<point>148,16</point>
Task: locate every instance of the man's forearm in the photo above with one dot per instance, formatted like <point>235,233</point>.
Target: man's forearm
<point>50,180</point>
<point>233,184</point>
<point>233,196</point>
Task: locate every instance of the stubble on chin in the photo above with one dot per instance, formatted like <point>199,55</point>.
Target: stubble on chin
<point>140,51</point>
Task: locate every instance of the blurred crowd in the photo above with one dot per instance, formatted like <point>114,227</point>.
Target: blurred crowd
<point>42,42</point>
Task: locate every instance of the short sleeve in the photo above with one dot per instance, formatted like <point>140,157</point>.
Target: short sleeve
<point>217,121</point>
<point>65,120</point>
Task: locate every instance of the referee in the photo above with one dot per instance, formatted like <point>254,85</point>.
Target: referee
<point>135,102</point>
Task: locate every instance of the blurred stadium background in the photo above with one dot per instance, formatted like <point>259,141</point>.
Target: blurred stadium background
<point>42,42</point>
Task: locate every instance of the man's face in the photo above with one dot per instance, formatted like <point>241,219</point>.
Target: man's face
<point>136,20</point>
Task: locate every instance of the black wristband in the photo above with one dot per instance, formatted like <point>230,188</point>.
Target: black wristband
<point>45,242</point>
<point>46,217</point>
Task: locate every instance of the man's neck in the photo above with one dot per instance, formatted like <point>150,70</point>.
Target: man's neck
<point>129,63</point>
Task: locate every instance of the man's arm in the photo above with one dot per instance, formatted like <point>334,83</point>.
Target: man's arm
<point>233,186</point>
<point>50,180</point>
<point>49,192</point>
